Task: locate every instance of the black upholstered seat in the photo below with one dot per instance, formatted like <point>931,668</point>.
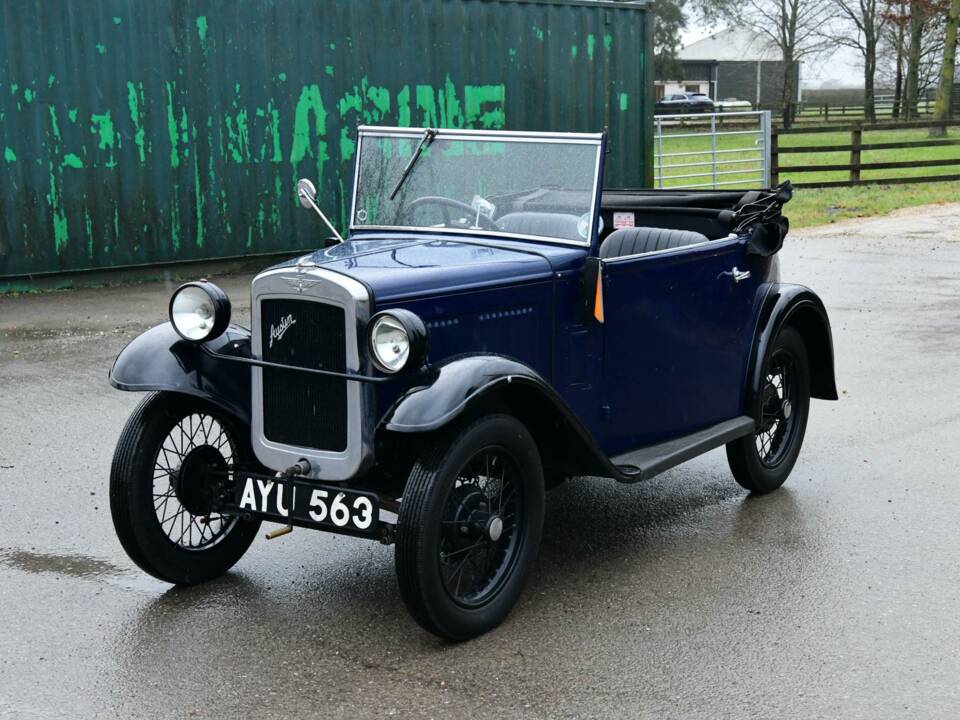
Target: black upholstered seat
<point>633,241</point>
<point>541,224</point>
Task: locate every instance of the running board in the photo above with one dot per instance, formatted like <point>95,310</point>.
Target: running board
<point>643,464</point>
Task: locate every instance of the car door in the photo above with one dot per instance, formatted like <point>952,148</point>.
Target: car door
<point>677,331</point>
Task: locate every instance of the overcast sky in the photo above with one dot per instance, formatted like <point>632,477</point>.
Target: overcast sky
<point>843,68</point>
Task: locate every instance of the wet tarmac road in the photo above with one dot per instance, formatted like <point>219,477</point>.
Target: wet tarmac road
<point>834,597</point>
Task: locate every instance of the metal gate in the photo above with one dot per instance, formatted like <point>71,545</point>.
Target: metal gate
<point>712,150</point>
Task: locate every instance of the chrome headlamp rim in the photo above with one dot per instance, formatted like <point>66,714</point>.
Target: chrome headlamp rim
<point>219,302</point>
<point>416,338</point>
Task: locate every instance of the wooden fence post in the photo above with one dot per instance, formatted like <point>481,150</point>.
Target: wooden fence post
<point>856,140</point>
<point>774,157</point>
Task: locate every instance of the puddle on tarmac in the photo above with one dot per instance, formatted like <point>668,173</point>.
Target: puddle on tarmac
<point>80,566</point>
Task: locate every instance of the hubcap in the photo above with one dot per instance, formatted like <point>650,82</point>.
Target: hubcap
<point>494,528</point>
<point>195,483</point>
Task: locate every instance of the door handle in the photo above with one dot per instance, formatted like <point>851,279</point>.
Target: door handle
<point>737,274</point>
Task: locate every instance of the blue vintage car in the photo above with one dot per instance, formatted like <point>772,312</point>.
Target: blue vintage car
<point>495,322</point>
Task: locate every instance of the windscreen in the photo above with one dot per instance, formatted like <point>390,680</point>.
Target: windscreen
<point>481,185</point>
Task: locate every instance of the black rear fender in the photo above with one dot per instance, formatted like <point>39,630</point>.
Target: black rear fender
<point>800,308</point>
<point>159,359</point>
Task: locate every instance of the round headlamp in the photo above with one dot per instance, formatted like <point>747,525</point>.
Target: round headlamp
<point>199,311</point>
<point>398,340</point>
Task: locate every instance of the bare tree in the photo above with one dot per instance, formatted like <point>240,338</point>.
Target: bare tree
<point>795,28</point>
<point>868,20</point>
<point>910,52</point>
<point>943,108</point>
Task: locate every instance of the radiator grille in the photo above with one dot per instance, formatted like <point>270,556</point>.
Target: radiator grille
<point>300,409</point>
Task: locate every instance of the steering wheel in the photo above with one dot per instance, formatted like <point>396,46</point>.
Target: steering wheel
<point>449,203</point>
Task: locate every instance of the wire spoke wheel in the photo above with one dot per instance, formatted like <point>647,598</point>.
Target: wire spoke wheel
<point>777,417</point>
<point>469,526</point>
<point>478,543</point>
<point>762,460</point>
<point>185,481</point>
<point>176,457</point>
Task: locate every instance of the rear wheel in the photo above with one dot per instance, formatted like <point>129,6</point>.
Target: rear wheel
<point>469,528</point>
<point>174,457</point>
<point>762,461</point>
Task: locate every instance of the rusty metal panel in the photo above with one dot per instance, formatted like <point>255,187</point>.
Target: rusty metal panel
<point>136,133</point>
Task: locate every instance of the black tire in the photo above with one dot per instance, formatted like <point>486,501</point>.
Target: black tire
<point>444,513</point>
<point>762,461</point>
<point>147,521</point>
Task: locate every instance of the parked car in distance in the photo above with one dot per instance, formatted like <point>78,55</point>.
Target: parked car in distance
<point>494,322</point>
<point>732,105</point>
<point>682,103</point>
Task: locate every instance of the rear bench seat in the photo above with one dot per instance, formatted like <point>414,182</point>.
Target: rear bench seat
<point>637,240</point>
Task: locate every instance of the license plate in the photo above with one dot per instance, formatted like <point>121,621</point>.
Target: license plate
<point>324,506</point>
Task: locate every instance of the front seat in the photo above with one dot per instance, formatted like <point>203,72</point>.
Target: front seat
<point>541,224</point>
<point>637,240</point>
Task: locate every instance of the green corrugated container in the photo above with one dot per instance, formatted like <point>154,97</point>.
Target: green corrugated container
<point>136,133</point>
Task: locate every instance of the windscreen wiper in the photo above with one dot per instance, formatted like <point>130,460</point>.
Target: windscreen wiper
<point>428,135</point>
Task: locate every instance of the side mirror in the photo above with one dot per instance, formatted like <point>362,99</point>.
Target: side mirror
<point>306,193</point>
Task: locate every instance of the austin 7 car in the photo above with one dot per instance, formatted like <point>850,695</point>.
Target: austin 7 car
<point>495,322</point>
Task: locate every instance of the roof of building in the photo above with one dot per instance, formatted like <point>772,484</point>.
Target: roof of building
<point>731,44</point>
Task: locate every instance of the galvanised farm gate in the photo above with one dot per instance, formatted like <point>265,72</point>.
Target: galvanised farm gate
<point>136,133</point>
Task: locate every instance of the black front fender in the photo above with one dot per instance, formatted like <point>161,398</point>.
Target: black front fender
<point>465,386</point>
<point>159,359</point>
<point>799,307</point>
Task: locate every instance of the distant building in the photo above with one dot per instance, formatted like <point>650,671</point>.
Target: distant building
<point>731,64</point>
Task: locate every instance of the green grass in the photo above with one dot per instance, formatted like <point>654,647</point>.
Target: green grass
<point>818,206</point>
<point>811,206</point>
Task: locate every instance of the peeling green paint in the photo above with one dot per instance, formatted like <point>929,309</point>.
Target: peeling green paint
<point>311,101</point>
<point>134,105</point>
<point>88,227</point>
<point>29,95</point>
<point>329,70</point>
<point>172,128</point>
<point>403,106</point>
<point>9,155</point>
<point>117,20</point>
<point>101,48</point>
<point>51,80</point>
<point>102,127</point>
<point>607,42</point>
<point>54,196</point>
<point>198,201</point>
<point>624,102</point>
<point>573,51</point>
<point>591,45</point>
<point>538,33</point>
<point>282,76</point>
<point>238,136</point>
<point>202,31</point>
<point>483,105</point>
<point>72,115</point>
<point>73,161</point>
<point>273,133</point>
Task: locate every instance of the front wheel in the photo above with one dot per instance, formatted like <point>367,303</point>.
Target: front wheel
<point>175,455</point>
<point>469,528</point>
<point>762,461</point>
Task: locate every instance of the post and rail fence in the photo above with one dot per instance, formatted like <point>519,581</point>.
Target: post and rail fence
<point>856,148</point>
